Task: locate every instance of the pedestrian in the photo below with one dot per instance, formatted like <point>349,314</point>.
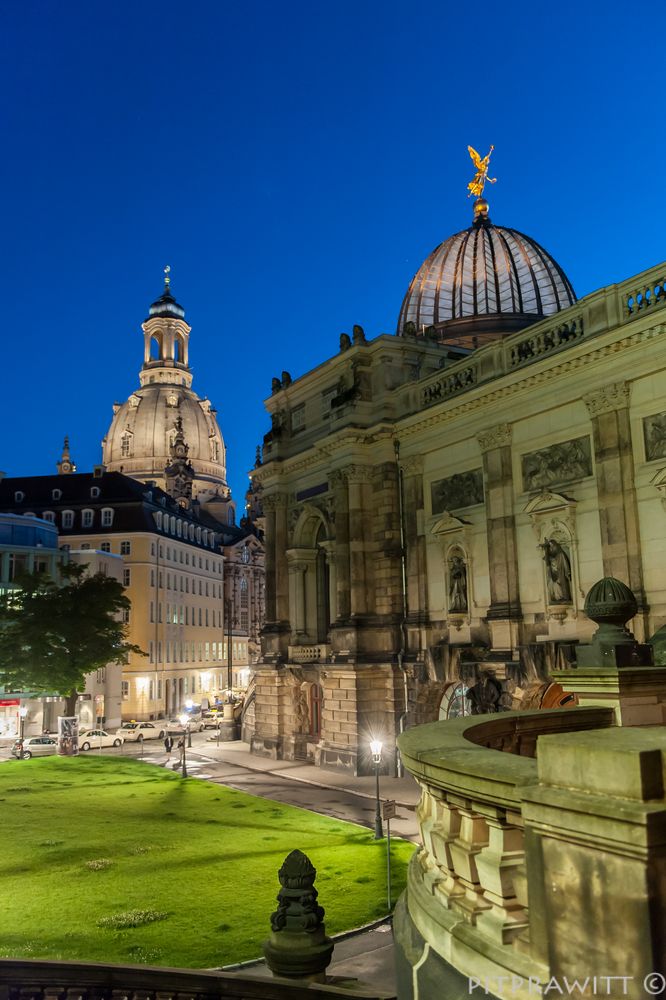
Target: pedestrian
<point>181,748</point>
<point>168,746</point>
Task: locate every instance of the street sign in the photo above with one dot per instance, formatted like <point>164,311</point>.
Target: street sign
<point>389,809</point>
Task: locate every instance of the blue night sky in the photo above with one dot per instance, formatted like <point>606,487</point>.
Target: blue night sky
<point>294,163</point>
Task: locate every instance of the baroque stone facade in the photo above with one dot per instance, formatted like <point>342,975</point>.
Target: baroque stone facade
<point>439,525</point>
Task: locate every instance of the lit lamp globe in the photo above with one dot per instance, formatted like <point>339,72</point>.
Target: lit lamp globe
<point>189,704</point>
<point>376,749</point>
<point>184,719</point>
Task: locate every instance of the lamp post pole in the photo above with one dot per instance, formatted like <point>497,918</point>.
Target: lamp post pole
<point>230,676</point>
<point>376,748</point>
<point>186,729</point>
<point>23,711</point>
<point>189,705</point>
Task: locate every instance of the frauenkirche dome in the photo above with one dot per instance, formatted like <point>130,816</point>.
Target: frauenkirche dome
<point>484,282</point>
<point>165,432</point>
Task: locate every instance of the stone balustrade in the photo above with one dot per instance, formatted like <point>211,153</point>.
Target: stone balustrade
<point>23,979</point>
<point>311,653</point>
<point>646,291</point>
<point>513,805</point>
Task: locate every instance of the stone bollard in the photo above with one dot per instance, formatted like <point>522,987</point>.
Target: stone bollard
<point>298,947</point>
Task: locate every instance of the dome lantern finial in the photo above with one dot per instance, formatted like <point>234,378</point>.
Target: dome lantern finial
<point>481,178</point>
<point>167,279</point>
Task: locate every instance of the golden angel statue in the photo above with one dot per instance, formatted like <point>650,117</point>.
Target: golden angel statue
<point>481,177</point>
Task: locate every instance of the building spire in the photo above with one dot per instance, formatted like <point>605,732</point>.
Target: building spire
<point>65,466</point>
<point>167,279</point>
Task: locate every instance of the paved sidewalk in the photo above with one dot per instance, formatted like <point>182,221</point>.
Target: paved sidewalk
<point>405,791</point>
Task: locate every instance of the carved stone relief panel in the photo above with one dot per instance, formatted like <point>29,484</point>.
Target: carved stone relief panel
<point>558,464</point>
<point>654,434</point>
<point>464,489</point>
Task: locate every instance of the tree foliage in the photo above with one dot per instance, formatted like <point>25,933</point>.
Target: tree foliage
<point>51,636</point>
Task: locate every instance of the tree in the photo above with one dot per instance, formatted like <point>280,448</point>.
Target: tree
<point>51,636</point>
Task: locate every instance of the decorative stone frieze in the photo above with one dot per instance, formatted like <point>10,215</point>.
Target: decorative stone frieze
<point>273,501</point>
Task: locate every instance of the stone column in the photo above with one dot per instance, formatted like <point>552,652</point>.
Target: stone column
<point>281,576</point>
<point>341,608</point>
<point>616,490</point>
<point>415,554</point>
<point>296,568</point>
<point>357,476</point>
<point>269,508</point>
<point>329,549</point>
<point>504,612</point>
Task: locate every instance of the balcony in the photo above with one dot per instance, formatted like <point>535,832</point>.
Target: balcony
<point>310,653</point>
<point>536,828</point>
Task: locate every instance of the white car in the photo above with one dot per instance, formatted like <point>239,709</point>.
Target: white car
<point>136,732</point>
<point>196,725</point>
<point>94,739</point>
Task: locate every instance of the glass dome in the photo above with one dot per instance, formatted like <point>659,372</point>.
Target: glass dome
<point>484,282</point>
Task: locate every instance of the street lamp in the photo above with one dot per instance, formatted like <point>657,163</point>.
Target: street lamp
<point>376,748</point>
<point>185,723</point>
<point>23,711</point>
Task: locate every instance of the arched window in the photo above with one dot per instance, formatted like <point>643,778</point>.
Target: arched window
<point>455,701</point>
<point>56,494</point>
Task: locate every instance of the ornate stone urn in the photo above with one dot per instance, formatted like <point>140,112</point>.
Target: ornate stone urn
<point>611,604</point>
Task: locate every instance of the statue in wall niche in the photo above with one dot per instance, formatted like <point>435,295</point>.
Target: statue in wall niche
<point>558,572</point>
<point>485,696</point>
<point>457,584</point>
<point>302,711</point>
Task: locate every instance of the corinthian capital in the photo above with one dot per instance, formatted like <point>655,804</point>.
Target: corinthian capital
<point>494,437</point>
<point>272,501</point>
<point>358,474</point>
<point>614,396</point>
<point>412,466</point>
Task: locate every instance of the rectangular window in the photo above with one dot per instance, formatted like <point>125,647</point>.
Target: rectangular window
<point>187,585</point>
<point>206,617</point>
<point>200,651</point>
<point>187,652</point>
<point>159,612</point>
<point>107,517</point>
<point>185,691</point>
<point>200,616</point>
<point>152,578</point>
<point>161,580</point>
<point>67,518</point>
<point>152,612</point>
<point>168,614</point>
<point>207,651</point>
<point>152,552</point>
<point>200,683</point>
<point>182,615</point>
<point>152,652</point>
<point>159,689</point>
<point>151,691</point>
<point>105,546</point>
<point>86,545</point>
<point>159,651</point>
<point>168,552</point>
<point>125,548</point>
<point>298,419</point>
<point>124,688</point>
<point>126,616</point>
<point>168,651</point>
<point>86,519</point>
<point>101,676</point>
<point>127,577</point>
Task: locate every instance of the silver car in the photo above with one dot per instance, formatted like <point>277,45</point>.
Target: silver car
<point>35,746</point>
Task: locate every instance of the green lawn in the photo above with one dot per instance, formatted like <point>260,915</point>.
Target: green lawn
<point>90,838</point>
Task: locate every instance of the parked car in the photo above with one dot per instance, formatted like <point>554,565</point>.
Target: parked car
<point>90,739</point>
<point>196,725</point>
<point>136,732</point>
<point>35,746</point>
<point>211,720</point>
